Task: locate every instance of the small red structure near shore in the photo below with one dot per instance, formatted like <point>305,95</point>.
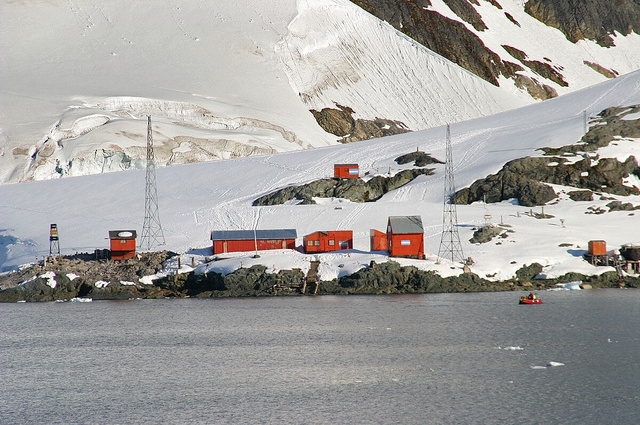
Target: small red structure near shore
<point>122,244</point>
<point>405,236</point>
<point>333,240</point>
<point>346,171</point>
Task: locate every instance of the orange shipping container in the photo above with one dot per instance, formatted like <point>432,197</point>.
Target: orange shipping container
<point>597,248</point>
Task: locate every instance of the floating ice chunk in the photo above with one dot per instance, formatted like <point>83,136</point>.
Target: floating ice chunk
<point>570,286</point>
<point>513,348</point>
<point>538,367</point>
<point>554,364</point>
<point>81,300</point>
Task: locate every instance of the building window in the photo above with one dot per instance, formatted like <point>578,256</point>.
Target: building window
<point>332,242</point>
<point>309,243</point>
<point>405,242</point>
<point>316,243</point>
<point>123,241</point>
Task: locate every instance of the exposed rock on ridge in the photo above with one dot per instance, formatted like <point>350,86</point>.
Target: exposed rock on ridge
<point>524,178</point>
<point>591,19</point>
<point>355,189</point>
<point>341,123</point>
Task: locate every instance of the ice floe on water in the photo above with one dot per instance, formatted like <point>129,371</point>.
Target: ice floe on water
<point>569,286</point>
<point>81,300</point>
<point>548,365</point>
<point>514,348</point>
<point>510,348</point>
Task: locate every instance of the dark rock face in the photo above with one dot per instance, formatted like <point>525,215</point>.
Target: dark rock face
<point>528,272</point>
<point>535,89</point>
<point>591,19</point>
<point>444,36</point>
<point>609,73</point>
<point>419,159</point>
<point>464,10</point>
<point>543,69</point>
<point>580,195</point>
<point>356,189</point>
<point>341,123</point>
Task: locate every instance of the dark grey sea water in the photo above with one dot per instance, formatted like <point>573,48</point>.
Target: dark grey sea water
<point>427,359</point>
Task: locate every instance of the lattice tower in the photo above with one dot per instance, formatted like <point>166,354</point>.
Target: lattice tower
<point>450,246</point>
<point>152,234</point>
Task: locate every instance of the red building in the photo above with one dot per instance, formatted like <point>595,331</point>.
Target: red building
<point>250,240</point>
<point>328,241</point>
<point>405,236</point>
<point>122,244</point>
<point>346,171</point>
<point>378,240</point>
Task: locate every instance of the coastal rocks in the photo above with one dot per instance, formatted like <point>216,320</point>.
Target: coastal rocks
<point>355,189</point>
<point>527,273</point>
<point>341,123</point>
<point>81,275</point>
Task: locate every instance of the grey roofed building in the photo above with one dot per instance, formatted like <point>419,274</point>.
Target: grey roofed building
<point>405,224</point>
<point>235,235</point>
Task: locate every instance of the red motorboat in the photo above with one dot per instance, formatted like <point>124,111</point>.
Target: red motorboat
<point>530,300</point>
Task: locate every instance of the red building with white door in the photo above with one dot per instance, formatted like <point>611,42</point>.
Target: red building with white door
<point>405,236</point>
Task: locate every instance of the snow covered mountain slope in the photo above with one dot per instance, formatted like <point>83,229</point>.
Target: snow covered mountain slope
<point>546,47</point>
<point>230,79</point>
<point>195,199</point>
<point>78,79</point>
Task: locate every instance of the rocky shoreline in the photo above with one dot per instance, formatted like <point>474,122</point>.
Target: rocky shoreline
<point>71,278</point>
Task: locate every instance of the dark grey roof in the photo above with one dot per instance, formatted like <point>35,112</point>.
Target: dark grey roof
<point>234,235</point>
<point>122,234</point>
<point>406,224</point>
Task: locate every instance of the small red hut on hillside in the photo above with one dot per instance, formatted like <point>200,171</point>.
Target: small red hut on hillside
<point>250,240</point>
<point>346,171</point>
<point>334,240</point>
<point>405,236</point>
<point>122,244</point>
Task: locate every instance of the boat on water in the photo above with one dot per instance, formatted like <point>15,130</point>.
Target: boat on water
<point>530,299</point>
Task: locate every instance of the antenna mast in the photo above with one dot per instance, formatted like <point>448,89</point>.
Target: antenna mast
<point>450,246</point>
<point>152,229</point>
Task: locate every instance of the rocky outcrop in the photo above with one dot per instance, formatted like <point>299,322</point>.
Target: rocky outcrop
<point>525,178</point>
<point>355,190</point>
<point>82,276</point>
<point>588,19</point>
<point>609,73</point>
<point>487,233</point>
<point>535,89</point>
<point>419,159</point>
<point>542,69</point>
<point>341,123</point>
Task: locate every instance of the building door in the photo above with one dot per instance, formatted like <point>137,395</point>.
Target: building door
<point>224,246</point>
